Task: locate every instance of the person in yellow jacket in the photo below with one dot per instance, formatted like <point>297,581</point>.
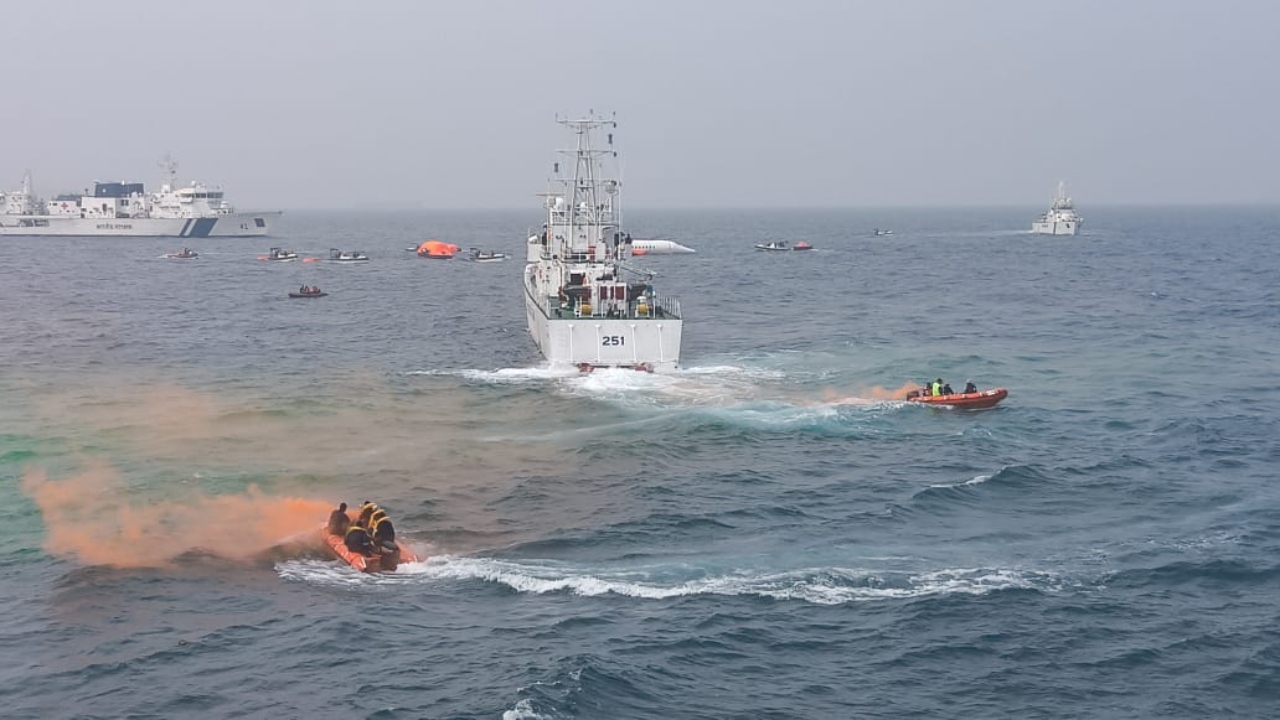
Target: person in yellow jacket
<point>357,540</point>
<point>366,511</point>
<point>937,387</point>
<point>383,530</point>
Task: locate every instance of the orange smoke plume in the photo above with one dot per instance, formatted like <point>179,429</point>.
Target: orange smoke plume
<point>871,394</point>
<point>87,517</point>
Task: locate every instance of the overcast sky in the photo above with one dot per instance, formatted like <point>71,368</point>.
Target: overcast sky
<point>743,103</point>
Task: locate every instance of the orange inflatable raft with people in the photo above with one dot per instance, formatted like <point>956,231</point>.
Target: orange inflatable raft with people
<point>968,401</point>
<point>382,556</point>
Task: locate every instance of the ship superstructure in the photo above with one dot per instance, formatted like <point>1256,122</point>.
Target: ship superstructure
<point>1061,217</point>
<point>586,307</point>
<point>127,209</point>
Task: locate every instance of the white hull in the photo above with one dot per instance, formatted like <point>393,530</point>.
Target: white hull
<point>660,247</point>
<point>568,341</point>
<point>1061,218</point>
<point>240,224</point>
<point>1055,228</point>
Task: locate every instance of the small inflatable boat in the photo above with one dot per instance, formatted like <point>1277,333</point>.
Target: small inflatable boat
<point>967,401</point>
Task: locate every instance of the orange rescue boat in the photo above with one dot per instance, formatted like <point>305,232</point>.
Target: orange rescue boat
<point>966,401</point>
<point>383,560</point>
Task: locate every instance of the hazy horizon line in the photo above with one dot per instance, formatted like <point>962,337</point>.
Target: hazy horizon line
<point>778,208</point>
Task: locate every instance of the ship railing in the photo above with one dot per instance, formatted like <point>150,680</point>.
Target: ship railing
<point>653,309</point>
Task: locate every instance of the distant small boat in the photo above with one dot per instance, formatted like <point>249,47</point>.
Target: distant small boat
<point>776,245</point>
<point>478,255</point>
<point>337,255</point>
<point>308,292</point>
<point>783,245</point>
<point>279,255</point>
<point>878,232</point>
<point>185,254</point>
<point>966,401</point>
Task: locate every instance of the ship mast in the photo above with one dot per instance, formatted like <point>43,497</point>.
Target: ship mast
<point>170,168</point>
<point>1061,202</point>
<point>587,208</point>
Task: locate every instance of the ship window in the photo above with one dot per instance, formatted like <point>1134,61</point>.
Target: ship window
<point>259,222</point>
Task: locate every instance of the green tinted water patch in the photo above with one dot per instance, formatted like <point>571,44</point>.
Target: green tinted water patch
<point>17,456</point>
<point>21,453</point>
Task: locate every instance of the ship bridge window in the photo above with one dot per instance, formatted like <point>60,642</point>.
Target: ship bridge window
<point>259,222</point>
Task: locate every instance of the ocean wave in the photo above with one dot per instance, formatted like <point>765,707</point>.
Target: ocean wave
<point>523,710</point>
<point>17,456</point>
<point>1009,476</point>
<point>1209,573</point>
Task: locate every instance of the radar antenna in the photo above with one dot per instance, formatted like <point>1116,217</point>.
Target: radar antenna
<point>170,168</point>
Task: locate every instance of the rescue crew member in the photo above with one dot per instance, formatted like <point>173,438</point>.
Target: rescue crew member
<point>383,531</point>
<point>969,387</point>
<point>339,521</point>
<point>357,540</point>
<point>366,510</point>
<point>937,387</point>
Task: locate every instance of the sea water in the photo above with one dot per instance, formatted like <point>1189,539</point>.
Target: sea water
<point>768,533</point>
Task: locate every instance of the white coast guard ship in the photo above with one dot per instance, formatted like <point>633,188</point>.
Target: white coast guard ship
<point>126,209</point>
<point>586,307</point>
<point>1061,218</point>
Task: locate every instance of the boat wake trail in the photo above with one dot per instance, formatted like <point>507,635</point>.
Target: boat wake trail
<point>818,585</point>
<point>717,396</point>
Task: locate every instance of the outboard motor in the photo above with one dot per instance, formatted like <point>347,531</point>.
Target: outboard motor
<point>390,554</point>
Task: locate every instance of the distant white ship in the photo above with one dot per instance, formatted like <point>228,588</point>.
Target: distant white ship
<point>1061,218</point>
<point>127,210</point>
<point>585,306</point>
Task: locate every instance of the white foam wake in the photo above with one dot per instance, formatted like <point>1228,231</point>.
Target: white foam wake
<point>820,586</point>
